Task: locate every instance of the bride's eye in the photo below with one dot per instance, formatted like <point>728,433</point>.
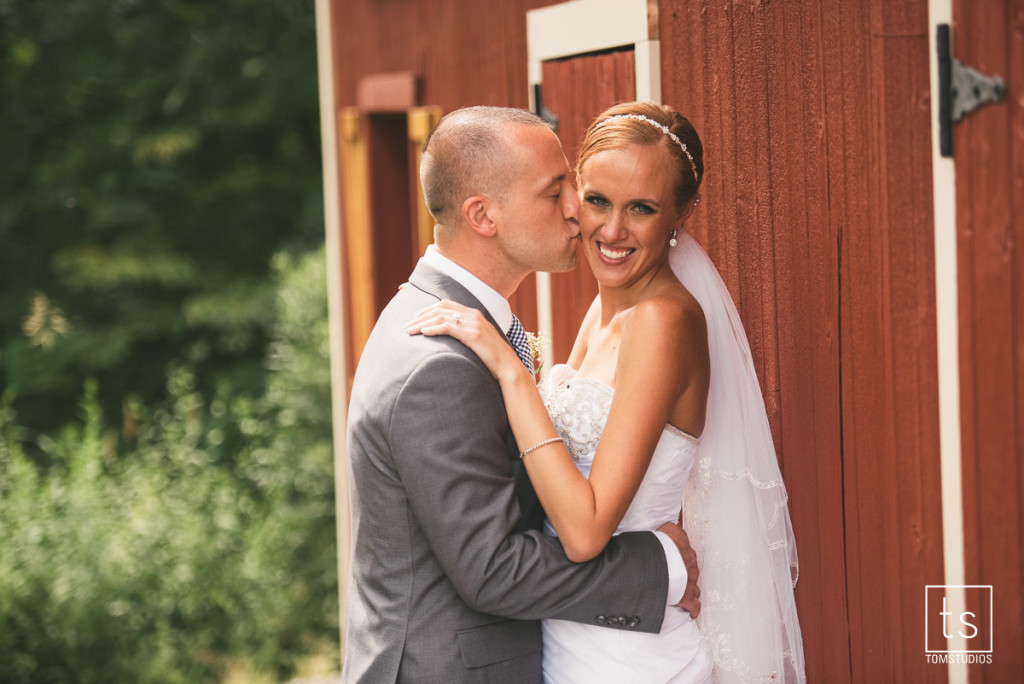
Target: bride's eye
<point>644,209</point>
<point>596,200</point>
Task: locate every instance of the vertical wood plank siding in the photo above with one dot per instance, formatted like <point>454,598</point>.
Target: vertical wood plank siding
<point>818,212</point>
<point>988,150</point>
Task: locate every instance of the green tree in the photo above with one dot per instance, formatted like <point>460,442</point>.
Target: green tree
<point>167,566</point>
<point>155,156</point>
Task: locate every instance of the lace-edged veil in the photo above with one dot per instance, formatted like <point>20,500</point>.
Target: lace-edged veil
<point>735,504</point>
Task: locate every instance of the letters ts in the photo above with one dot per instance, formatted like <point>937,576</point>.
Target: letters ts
<point>945,621</point>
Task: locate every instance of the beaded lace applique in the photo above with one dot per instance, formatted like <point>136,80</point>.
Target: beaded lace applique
<point>579,416</point>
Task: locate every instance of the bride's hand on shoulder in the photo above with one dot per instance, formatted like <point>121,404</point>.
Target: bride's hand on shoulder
<point>469,326</point>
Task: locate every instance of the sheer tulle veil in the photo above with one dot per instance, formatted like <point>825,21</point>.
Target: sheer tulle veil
<point>735,504</point>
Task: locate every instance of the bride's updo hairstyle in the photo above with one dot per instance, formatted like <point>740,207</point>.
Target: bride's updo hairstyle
<point>646,123</point>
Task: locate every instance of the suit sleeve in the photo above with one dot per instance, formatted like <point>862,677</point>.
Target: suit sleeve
<point>447,436</point>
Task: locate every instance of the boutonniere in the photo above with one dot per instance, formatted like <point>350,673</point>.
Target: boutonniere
<point>537,342</point>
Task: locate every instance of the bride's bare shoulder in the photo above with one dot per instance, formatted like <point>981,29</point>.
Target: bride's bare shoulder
<point>667,328</point>
<point>666,341</point>
<point>672,312</point>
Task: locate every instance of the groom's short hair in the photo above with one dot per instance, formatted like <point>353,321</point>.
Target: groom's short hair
<point>468,154</point>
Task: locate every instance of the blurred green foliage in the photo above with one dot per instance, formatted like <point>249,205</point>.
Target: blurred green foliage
<point>166,564</point>
<point>155,155</point>
<point>166,486</point>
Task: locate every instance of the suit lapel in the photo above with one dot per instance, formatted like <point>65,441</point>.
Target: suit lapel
<point>430,280</point>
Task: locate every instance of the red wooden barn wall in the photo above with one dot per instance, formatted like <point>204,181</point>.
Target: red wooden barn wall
<point>989,156</point>
<point>464,52</point>
<point>817,209</point>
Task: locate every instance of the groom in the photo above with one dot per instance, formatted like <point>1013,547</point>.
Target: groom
<point>449,572</point>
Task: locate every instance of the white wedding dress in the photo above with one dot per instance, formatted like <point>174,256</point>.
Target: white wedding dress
<point>590,654</point>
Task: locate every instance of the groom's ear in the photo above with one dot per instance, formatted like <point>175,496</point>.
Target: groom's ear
<point>476,211</point>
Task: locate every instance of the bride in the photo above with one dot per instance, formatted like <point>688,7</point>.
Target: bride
<point>657,402</point>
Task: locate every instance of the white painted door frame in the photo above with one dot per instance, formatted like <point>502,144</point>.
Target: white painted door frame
<point>335,289</point>
<point>948,341</point>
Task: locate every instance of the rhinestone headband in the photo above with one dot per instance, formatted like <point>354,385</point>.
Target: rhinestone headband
<point>664,129</point>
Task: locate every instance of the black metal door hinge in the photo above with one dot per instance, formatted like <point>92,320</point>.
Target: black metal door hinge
<point>961,90</point>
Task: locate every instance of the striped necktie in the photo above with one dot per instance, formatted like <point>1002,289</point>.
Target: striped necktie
<point>517,336</point>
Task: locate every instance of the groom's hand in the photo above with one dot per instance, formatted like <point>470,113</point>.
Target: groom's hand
<point>691,596</point>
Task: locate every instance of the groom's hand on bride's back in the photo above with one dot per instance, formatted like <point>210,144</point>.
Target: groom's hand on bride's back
<point>691,596</point>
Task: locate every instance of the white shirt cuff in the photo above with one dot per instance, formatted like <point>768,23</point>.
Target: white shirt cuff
<point>677,575</point>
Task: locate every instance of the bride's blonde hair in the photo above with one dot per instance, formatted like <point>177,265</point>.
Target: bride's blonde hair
<point>647,123</point>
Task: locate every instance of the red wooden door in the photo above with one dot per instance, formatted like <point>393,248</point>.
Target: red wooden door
<point>576,90</point>
<point>817,210</point>
<point>988,153</point>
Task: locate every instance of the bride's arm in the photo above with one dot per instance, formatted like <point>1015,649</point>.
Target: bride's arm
<point>655,367</point>
<point>660,378</point>
<point>662,354</point>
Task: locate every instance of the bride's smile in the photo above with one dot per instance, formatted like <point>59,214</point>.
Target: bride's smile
<point>613,255</point>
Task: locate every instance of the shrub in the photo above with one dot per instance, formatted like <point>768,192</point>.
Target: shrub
<point>211,540</point>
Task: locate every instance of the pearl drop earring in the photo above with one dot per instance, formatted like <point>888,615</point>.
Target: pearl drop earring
<point>672,242</point>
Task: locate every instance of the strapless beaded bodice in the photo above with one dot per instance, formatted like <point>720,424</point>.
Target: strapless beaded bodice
<point>579,408</point>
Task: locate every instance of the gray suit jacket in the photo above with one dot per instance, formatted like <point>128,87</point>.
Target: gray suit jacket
<point>449,570</point>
